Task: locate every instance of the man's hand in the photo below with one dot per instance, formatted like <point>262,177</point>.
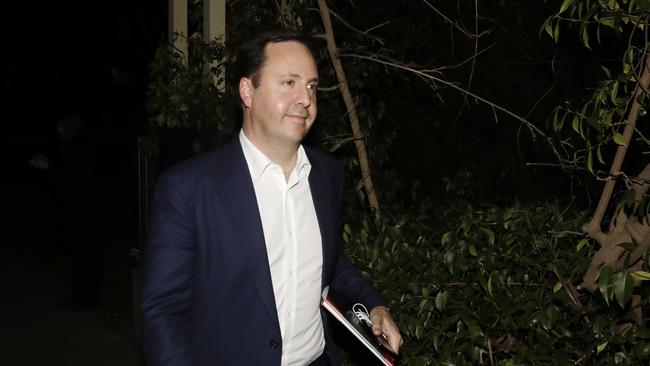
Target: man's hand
<point>384,327</point>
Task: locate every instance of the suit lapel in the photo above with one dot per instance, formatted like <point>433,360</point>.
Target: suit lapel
<point>322,196</point>
<point>239,199</point>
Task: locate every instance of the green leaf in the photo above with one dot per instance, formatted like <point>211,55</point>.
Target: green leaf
<point>489,285</point>
<point>590,161</point>
<point>619,139</point>
<point>489,233</point>
<point>553,315</point>
<point>641,275</point>
<point>606,71</point>
<point>594,122</point>
<point>585,37</point>
<point>474,329</point>
<point>614,92</point>
<point>601,347</point>
<point>575,123</point>
<point>449,261</point>
<point>599,155</point>
<point>619,357</point>
<point>555,120</point>
<point>472,251</point>
<point>548,27</point>
<point>565,6</point>
<point>609,22</point>
<point>623,286</point>
<point>425,291</point>
<point>419,330</point>
<point>441,300</point>
<point>604,279</point>
<point>423,303</point>
<point>446,238</point>
<point>581,244</point>
<point>557,287</point>
<point>436,342</point>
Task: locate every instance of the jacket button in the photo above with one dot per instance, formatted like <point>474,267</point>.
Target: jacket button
<point>274,344</point>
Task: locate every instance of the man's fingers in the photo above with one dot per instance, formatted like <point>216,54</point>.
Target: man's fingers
<point>395,343</point>
<point>385,329</point>
<point>387,336</point>
<point>376,328</point>
<point>395,339</point>
<point>384,342</point>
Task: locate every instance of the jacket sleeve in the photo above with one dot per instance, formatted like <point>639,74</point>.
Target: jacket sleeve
<point>353,286</point>
<point>168,277</point>
<point>347,280</point>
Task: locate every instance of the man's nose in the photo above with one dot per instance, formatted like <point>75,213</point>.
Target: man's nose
<point>303,97</point>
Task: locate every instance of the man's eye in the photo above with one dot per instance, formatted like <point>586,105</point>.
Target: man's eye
<point>290,82</point>
<point>312,87</point>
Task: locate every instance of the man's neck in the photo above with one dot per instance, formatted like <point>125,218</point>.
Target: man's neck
<point>284,156</point>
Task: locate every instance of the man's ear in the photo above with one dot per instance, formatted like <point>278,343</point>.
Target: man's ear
<point>246,91</point>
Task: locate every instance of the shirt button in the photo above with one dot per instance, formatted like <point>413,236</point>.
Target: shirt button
<point>289,314</point>
<point>274,344</point>
<point>290,272</point>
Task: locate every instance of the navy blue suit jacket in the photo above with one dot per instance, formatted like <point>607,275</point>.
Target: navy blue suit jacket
<point>208,297</point>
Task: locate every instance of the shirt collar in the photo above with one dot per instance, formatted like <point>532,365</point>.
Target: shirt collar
<point>258,162</point>
<point>303,166</point>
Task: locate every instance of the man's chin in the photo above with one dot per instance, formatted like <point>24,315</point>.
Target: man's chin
<point>296,135</point>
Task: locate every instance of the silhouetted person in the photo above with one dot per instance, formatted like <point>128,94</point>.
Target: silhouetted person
<point>78,220</point>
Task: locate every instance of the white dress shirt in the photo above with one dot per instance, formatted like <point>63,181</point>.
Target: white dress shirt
<point>294,249</point>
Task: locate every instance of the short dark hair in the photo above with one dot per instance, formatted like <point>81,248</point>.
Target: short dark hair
<point>250,56</point>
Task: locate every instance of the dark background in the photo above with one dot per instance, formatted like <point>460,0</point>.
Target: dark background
<point>88,56</point>
<point>59,57</point>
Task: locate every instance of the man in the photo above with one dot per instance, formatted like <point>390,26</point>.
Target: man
<point>245,239</point>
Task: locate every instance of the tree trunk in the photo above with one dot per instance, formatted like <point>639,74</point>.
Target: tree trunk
<point>623,228</point>
<point>359,141</point>
<point>593,227</point>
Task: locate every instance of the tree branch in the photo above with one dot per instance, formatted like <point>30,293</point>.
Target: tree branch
<point>451,22</point>
<point>365,34</point>
<point>359,143</point>
<point>429,75</point>
<point>593,226</point>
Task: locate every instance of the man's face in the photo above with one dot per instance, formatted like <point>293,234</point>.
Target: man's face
<point>282,109</point>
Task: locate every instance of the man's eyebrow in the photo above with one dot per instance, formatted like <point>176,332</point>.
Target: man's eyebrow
<point>298,76</point>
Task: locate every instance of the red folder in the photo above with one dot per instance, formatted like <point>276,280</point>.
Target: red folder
<point>368,340</point>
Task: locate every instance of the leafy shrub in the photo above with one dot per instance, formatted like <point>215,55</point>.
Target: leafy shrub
<point>484,285</point>
<point>188,90</point>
